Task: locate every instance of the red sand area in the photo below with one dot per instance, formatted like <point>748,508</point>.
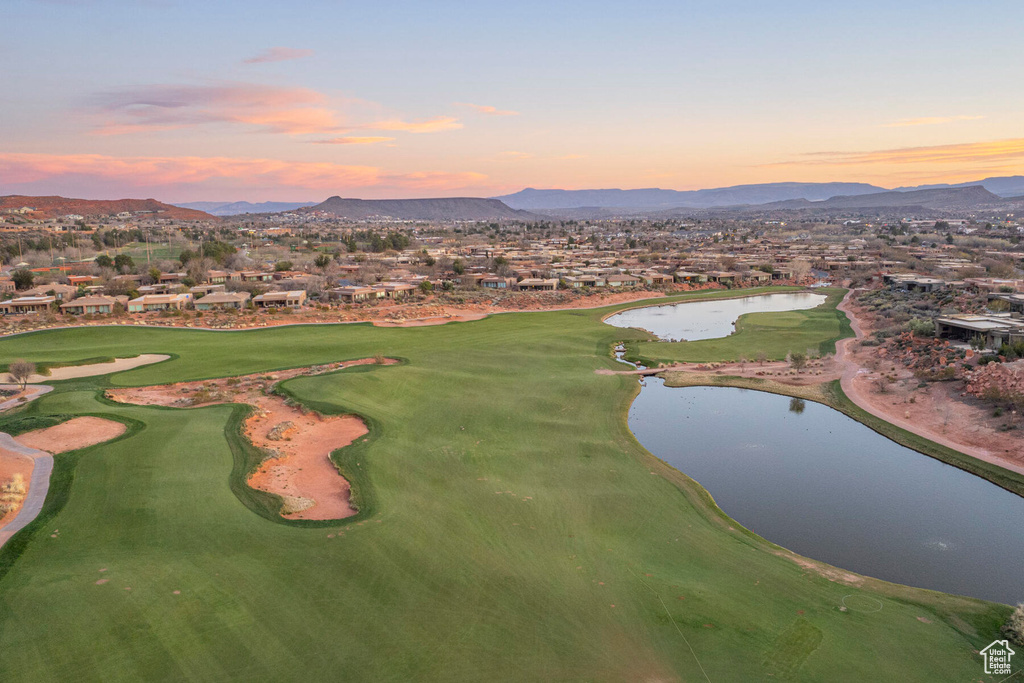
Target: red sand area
<point>299,442</point>
<point>11,464</point>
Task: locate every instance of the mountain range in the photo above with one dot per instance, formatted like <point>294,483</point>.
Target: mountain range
<point>440,209</point>
<point>658,199</point>
<point>236,208</point>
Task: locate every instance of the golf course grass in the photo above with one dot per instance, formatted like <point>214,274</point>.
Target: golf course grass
<point>771,334</point>
<point>512,529</point>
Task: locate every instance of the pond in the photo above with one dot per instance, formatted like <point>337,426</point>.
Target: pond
<point>813,480</point>
<point>690,321</point>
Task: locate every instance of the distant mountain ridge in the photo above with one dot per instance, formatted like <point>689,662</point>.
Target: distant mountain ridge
<point>439,209</point>
<point>1005,186</point>
<point>656,198</point>
<point>971,197</point>
<point>54,207</point>
<point>766,193</point>
<point>236,208</point>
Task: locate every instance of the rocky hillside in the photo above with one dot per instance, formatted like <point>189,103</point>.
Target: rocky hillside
<point>53,207</point>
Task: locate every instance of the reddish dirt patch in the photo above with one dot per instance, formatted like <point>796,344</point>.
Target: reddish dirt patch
<point>301,469</point>
<point>78,432</point>
<point>298,442</point>
<point>10,465</point>
<point>940,411</point>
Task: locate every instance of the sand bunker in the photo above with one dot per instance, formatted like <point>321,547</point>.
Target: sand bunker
<point>76,433</point>
<point>429,321</point>
<point>298,442</point>
<point>15,475</point>
<point>93,369</point>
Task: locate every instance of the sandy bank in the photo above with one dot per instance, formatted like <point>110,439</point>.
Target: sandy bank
<point>93,369</point>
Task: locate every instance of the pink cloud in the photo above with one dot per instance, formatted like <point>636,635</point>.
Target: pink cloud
<point>171,177</point>
<point>993,151</point>
<point>352,140</point>
<point>487,109</point>
<point>278,54</point>
<point>292,111</point>
<point>433,125</point>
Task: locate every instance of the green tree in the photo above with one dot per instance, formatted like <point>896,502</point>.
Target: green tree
<point>124,262</point>
<point>457,267</point>
<point>104,261</point>
<point>283,265</point>
<point>23,278</point>
<point>322,261</point>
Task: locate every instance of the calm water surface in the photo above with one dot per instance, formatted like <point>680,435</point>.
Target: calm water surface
<point>826,486</point>
<point>709,319</point>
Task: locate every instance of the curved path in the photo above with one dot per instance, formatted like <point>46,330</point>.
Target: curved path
<point>38,486</point>
<point>851,369</point>
<point>32,391</point>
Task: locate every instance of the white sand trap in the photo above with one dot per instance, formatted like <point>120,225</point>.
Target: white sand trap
<point>118,365</point>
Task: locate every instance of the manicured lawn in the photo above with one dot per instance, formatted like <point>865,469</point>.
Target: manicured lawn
<point>520,533</point>
<point>773,334</point>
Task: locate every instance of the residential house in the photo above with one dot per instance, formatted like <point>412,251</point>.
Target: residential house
<point>692,278</point>
<point>653,278</point>
<point>994,329</point>
<point>256,276</point>
<point>354,293</point>
<point>26,304</point>
<point>397,290</point>
<point>622,280</point>
<point>292,299</point>
<point>496,282</point>
<point>159,302</point>
<point>538,284</point>
<point>92,304</point>
<point>203,290</point>
<point>221,300</point>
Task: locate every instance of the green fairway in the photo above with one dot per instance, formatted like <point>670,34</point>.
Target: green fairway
<point>515,531</point>
<point>156,251</point>
<point>773,334</point>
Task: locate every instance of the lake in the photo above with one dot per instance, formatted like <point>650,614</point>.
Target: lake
<point>709,319</point>
<point>815,481</point>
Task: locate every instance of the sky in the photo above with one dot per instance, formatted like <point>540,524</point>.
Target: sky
<point>228,100</point>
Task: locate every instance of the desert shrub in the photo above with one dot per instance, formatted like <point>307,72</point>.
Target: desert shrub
<point>202,396</point>
<point>922,328</point>
<point>988,358</point>
<point>1013,629</point>
<point>1012,351</point>
<point>292,504</point>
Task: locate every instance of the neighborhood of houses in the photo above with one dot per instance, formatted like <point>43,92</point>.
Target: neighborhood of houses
<point>483,261</point>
